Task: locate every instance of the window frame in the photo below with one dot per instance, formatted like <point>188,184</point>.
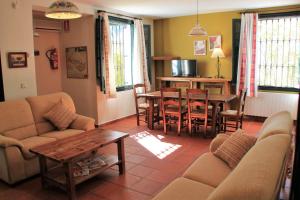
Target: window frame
<point>272,15</point>
<point>131,23</point>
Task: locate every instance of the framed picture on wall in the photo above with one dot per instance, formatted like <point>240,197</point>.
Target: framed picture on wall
<point>200,48</point>
<point>214,42</point>
<point>76,61</point>
<point>17,59</point>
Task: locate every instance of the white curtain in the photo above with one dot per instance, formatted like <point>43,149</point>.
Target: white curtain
<point>140,69</point>
<point>246,73</point>
<point>110,84</point>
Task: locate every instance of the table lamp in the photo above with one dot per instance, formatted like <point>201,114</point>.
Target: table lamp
<point>218,53</point>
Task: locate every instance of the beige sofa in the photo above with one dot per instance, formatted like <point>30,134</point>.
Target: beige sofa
<point>257,176</point>
<point>22,127</point>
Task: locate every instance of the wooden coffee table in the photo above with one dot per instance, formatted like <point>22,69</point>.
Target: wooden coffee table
<point>68,151</point>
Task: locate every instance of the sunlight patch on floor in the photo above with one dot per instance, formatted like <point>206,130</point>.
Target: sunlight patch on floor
<point>154,144</point>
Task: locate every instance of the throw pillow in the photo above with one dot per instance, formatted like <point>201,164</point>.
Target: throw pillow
<point>60,116</point>
<point>235,147</point>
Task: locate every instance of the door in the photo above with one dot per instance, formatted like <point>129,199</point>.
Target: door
<point>147,33</point>
<point>1,83</point>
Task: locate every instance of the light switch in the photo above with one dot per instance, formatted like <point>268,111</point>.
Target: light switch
<point>23,85</point>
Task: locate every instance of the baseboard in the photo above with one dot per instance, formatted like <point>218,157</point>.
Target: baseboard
<point>113,121</point>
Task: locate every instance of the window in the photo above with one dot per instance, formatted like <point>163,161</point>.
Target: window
<point>278,51</point>
<point>121,34</point>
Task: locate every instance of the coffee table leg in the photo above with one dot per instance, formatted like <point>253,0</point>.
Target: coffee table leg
<point>43,169</point>
<point>70,185</point>
<point>121,156</point>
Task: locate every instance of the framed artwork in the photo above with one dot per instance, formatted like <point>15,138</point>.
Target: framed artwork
<point>214,42</point>
<point>76,61</point>
<point>200,48</point>
<point>17,59</point>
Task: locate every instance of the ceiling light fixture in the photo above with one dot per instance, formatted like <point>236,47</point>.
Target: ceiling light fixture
<point>197,29</point>
<point>62,9</point>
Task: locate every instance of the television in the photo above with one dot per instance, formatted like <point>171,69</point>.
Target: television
<point>186,68</point>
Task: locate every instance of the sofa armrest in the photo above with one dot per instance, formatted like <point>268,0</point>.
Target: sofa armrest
<point>215,143</point>
<point>6,142</point>
<point>83,123</point>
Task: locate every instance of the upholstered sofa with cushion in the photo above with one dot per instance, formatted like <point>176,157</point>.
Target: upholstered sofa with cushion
<point>22,126</point>
<point>257,176</point>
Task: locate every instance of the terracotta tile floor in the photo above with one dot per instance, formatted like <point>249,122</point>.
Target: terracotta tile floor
<point>152,161</point>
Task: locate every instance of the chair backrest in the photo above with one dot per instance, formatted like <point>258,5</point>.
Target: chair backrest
<point>171,97</point>
<point>194,100</point>
<point>242,101</point>
<point>214,88</point>
<point>181,85</point>
<point>138,89</point>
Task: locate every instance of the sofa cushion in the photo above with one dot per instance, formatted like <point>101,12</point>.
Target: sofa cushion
<point>235,147</point>
<point>279,123</point>
<point>182,188</point>
<point>16,119</point>
<point>36,141</point>
<point>60,116</point>
<point>258,174</point>
<point>42,104</point>
<point>208,169</point>
<point>217,141</point>
<point>62,134</point>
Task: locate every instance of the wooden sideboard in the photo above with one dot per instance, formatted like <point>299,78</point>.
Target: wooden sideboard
<point>194,80</point>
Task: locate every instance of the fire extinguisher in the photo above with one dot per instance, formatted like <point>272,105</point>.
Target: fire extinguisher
<point>52,56</point>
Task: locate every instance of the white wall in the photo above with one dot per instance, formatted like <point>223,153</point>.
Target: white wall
<point>268,103</point>
<point>83,91</point>
<point>16,34</point>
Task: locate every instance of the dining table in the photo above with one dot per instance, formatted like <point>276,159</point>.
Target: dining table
<point>214,99</point>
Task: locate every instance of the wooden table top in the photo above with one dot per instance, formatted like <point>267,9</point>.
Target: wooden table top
<point>211,97</point>
<point>77,145</point>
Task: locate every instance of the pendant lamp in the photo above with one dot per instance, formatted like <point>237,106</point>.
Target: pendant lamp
<point>62,9</point>
<point>197,30</point>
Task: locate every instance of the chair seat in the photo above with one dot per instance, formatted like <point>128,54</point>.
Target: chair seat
<point>146,105</point>
<point>198,114</point>
<point>230,113</point>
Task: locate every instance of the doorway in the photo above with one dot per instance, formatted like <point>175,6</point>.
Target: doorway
<point>46,45</point>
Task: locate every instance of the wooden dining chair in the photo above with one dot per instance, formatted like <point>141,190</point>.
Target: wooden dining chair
<point>172,109</point>
<point>214,89</point>
<point>142,106</point>
<point>234,118</point>
<point>197,109</point>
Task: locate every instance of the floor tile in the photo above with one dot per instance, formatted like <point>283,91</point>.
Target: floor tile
<point>141,171</point>
<point>148,187</point>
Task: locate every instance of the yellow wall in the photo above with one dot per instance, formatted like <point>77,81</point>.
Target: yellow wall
<point>171,38</point>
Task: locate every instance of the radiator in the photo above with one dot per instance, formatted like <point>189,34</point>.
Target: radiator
<point>268,103</point>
